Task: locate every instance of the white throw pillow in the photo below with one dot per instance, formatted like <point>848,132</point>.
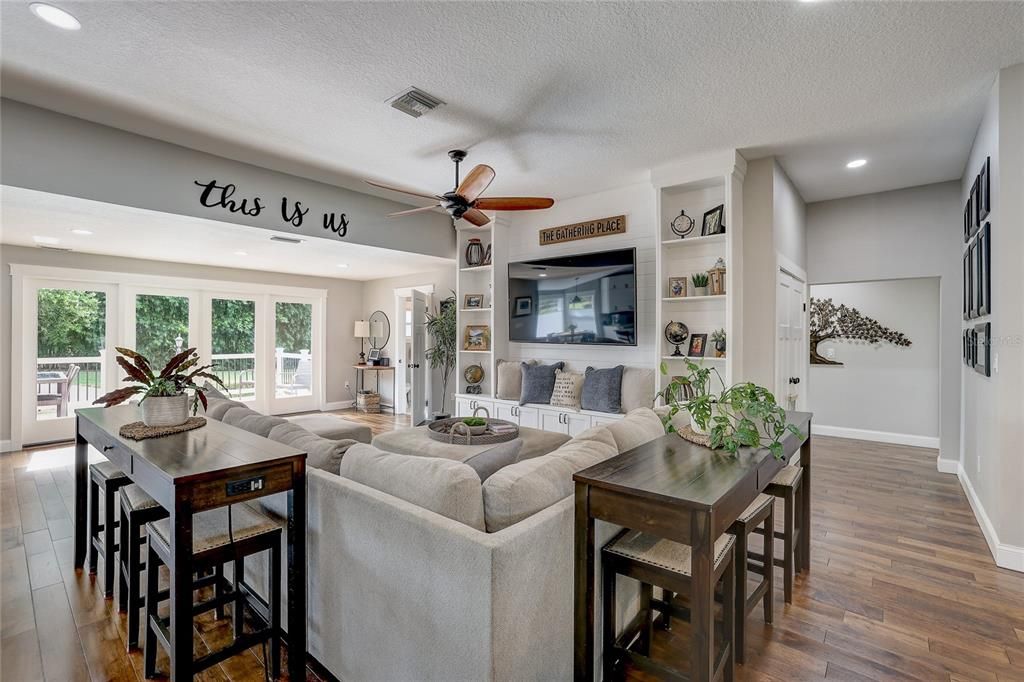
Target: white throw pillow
<point>568,387</point>
<point>640,426</point>
<point>510,379</point>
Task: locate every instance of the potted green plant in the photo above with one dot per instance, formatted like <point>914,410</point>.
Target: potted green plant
<point>442,355</point>
<point>742,415</point>
<point>700,283</point>
<point>718,337</point>
<point>164,396</point>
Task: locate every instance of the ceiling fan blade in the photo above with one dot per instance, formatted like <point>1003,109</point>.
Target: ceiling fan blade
<point>478,218</point>
<point>513,203</point>
<point>414,210</point>
<point>410,192</point>
<point>475,183</point>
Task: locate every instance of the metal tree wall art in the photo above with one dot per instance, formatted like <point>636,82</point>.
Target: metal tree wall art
<point>831,321</point>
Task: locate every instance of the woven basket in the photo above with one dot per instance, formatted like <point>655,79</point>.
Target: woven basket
<point>368,402</point>
<point>165,410</point>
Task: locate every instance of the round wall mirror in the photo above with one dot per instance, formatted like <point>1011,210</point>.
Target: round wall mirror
<point>380,329</point>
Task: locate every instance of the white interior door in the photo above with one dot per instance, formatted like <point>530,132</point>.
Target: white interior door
<point>418,366</point>
<point>69,332</point>
<point>791,350</point>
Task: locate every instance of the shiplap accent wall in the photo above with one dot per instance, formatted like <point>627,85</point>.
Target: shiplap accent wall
<point>638,204</point>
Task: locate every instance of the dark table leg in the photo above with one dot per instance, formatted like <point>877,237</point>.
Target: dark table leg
<point>81,496</point>
<point>583,649</point>
<point>805,498</point>
<point>181,588</point>
<point>297,574</point>
<point>702,607</point>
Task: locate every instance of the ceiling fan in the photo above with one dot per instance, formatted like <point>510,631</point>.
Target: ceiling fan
<point>465,201</point>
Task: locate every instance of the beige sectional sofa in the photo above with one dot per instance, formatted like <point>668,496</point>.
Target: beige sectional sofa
<point>420,571</point>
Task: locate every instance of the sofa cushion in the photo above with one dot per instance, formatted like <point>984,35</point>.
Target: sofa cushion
<point>640,426</point>
<point>333,427</point>
<point>538,382</point>
<point>234,414</point>
<point>602,390</point>
<point>566,392</point>
<point>212,391</point>
<point>489,461</point>
<point>218,406</point>
<point>443,486</point>
<point>251,421</point>
<point>321,453</point>
<point>599,433</point>
<point>522,489</point>
<point>415,441</point>
<point>637,388</point>
<point>509,384</point>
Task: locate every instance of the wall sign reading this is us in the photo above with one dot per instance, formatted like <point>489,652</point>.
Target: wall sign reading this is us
<point>216,195</point>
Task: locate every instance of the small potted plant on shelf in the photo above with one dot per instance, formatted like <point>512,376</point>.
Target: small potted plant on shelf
<point>164,396</point>
<point>700,283</point>
<point>742,415</point>
<point>718,337</point>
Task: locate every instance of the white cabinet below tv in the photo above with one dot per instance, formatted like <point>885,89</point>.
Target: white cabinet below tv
<point>544,417</point>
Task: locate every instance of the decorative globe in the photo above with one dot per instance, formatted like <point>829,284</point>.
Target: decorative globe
<point>474,374</point>
<point>676,333</point>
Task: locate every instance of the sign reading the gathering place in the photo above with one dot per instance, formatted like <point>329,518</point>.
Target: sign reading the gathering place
<point>292,213</point>
<point>586,230</point>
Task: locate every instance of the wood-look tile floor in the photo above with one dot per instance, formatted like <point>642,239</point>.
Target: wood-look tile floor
<point>901,587</point>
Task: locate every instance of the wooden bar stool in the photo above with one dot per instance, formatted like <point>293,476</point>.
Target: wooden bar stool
<point>657,562</point>
<point>107,475</point>
<point>787,486</point>
<point>761,512</point>
<point>137,509</point>
<point>219,536</point>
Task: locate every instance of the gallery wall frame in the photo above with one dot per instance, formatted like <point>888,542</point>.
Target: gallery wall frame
<point>983,270</point>
<point>982,334</point>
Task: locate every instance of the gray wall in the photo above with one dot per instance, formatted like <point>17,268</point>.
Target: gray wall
<point>344,301</point>
<point>912,232</point>
<point>51,152</point>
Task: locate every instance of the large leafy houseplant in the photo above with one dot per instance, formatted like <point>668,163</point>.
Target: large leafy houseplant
<point>443,331</point>
<point>179,375</point>
<point>742,415</point>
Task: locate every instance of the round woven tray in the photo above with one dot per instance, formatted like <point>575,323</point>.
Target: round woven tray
<point>441,431</point>
<point>687,433</point>
<point>139,430</point>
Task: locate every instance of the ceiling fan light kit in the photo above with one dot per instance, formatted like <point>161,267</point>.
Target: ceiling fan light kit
<point>464,202</point>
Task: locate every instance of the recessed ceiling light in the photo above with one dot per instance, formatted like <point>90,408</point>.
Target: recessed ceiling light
<point>857,163</point>
<point>543,274</point>
<point>84,233</point>
<point>55,16</point>
<point>241,253</point>
<point>343,266</point>
<point>45,240</point>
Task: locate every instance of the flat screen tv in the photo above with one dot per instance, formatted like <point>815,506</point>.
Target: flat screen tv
<point>584,299</point>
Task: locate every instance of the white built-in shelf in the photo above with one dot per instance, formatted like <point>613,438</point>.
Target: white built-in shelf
<point>676,299</point>
<point>474,310</point>
<point>690,241</point>
<point>687,357</point>
<point>476,351</point>
<point>477,267</point>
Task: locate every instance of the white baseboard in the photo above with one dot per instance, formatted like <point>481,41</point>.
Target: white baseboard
<point>1006,556</point>
<point>877,436</point>
<point>338,405</point>
<point>9,446</point>
<point>947,466</point>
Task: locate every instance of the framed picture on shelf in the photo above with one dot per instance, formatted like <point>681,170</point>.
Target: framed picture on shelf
<point>714,221</point>
<point>487,255</point>
<point>982,348</point>
<point>473,301</point>
<point>697,345</point>
<point>677,287</point>
<point>983,273</point>
<point>477,337</point>
<point>522,306</point>
<point>985,190</point>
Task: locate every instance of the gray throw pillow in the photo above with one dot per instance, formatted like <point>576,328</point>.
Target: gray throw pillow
<point>602,390</point>
<point>489,461</point>
<point>538,382</point>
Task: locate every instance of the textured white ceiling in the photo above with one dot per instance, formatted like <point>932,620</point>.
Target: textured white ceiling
<point>123,230</point>
<point>561,98</point>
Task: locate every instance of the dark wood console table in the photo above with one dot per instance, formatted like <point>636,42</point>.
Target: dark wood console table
<point>683,492</point>
<point>187,473</point>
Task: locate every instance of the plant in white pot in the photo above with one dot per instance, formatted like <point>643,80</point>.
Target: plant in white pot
<point>691,393</point>
<point>700,283</point>
<point>164,397</point>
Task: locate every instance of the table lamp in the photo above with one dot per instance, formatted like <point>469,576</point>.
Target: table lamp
<point>362,331</point>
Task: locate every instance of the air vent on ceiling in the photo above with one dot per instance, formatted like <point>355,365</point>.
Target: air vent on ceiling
<point>286,240</point>
<point>415,102</point>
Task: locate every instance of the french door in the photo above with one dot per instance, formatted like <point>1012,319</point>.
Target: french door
<point>68,329</point>
<point>232,343</point>
<point>293,363</point>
